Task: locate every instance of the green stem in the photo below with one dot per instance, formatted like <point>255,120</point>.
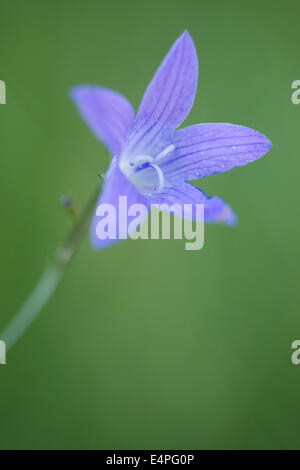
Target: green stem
<point>49,280</point>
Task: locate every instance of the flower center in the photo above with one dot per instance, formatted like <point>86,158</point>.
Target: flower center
<point>145,173</point>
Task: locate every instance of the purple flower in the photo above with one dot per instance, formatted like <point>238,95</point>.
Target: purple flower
<point>152,161</point>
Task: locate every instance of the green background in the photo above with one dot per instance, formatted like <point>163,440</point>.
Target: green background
<point>147,345</point>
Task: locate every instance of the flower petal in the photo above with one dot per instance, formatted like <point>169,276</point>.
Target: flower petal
<point>107,113</point>
<point>205,149</point>
<point>169,96</point>
<point>215,209</point>
<point>115,185</point>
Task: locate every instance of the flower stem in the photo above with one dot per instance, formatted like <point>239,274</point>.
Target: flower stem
<point>50,279</point>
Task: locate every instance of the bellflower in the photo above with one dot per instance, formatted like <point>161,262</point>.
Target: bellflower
<point>152,161</point>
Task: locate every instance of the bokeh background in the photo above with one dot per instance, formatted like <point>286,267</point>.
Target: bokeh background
<point>147,345</point>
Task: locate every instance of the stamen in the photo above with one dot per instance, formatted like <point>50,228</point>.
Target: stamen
<point>161,177</point>
<point>140,164</point>
<point>165,152</point>
<point>141,160</point>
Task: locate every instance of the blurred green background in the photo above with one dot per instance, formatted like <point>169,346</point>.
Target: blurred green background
<point>147,345</point>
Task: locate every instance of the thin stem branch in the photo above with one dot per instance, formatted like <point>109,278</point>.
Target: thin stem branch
<point>49,280</point>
